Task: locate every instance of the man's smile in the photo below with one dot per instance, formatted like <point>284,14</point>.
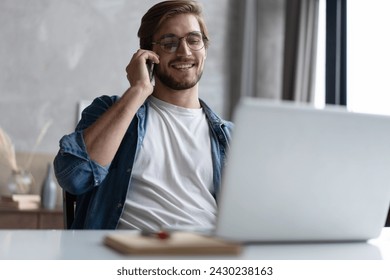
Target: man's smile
<point>182,65</point>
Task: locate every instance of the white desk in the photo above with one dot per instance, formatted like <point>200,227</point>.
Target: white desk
<point>87,245</point>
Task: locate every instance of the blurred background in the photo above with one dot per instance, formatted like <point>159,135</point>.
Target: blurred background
<point>56,56</point>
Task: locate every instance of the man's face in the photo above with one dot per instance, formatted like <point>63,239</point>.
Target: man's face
<point>183,68</point>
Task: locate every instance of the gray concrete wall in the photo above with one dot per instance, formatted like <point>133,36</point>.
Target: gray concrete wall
<point>55,53</point>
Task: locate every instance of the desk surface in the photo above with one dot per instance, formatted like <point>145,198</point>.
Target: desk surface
<point>88,245</point>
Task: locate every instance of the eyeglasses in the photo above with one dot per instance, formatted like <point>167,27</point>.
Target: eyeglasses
<point>170,42</point>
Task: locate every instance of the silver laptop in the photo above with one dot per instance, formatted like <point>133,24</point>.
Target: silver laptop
<point>299,174</point>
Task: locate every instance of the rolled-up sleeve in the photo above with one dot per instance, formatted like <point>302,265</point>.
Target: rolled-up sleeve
<point>75,171</point>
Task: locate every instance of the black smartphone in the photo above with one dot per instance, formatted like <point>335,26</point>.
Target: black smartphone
<point>150,66</point>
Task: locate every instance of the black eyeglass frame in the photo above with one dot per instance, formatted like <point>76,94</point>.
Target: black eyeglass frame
<point>179,39</point>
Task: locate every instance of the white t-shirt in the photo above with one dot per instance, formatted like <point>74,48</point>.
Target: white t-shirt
<point>172,175</point>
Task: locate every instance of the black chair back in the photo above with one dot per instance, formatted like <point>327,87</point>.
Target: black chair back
<point>69,207</point>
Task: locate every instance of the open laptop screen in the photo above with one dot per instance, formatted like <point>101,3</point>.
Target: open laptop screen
<point>296,173</point>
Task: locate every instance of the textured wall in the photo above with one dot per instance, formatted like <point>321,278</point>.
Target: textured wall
<point>55,53</point>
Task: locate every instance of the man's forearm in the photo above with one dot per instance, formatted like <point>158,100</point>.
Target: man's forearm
<point>102,139</point>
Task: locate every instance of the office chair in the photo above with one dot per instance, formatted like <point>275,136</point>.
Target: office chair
<point>69,207</point>
<point>387,224</point>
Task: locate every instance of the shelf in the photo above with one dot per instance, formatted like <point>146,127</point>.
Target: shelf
<point>31,219</point>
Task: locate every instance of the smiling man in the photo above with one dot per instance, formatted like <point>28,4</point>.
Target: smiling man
<point>153,157</point>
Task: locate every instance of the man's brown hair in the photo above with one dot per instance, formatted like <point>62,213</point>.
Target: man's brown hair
<point>157,14</point>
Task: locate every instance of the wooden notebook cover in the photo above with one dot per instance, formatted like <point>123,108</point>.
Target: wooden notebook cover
<point>179,243</point>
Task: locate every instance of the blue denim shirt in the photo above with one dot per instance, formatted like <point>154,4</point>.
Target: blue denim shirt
<point>101,190</point>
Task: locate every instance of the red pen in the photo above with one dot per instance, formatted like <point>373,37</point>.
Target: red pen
<point>158,234</point>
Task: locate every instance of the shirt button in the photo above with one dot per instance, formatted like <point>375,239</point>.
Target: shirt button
<point>119,205</point>
<point>128,170</point>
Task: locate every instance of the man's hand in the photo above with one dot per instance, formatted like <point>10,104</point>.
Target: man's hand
<point>138,72</point>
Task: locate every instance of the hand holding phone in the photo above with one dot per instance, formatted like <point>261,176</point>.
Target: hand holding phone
<point>141,66</point>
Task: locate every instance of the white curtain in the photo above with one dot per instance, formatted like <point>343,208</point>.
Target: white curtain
<point>279,40</point>
<point>300,50</point>
<point>262,48</point>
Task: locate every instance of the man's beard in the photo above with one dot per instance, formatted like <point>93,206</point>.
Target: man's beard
<point>170,82</point>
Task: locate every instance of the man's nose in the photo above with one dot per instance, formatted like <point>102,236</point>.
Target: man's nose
<point>183,49</point>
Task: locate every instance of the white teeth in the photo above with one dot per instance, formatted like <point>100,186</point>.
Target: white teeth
<point>182,66</point>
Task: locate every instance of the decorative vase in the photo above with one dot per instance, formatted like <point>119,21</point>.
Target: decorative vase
<point>49,190</point>
<point>20,182</point>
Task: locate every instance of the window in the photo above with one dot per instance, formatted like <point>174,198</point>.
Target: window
<point>368,57</point>
<point>319,97</point>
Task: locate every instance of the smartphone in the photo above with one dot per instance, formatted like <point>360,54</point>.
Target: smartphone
<point>150,66</point>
